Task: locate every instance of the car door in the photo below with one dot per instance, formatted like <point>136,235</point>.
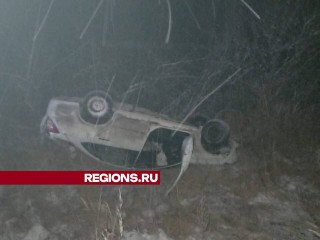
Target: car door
<point>126,133</point>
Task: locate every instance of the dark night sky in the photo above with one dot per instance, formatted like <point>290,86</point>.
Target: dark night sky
<point>126,39</point>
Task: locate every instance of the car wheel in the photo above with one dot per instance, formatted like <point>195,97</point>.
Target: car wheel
<point>215,133</point>
<point>96,107</point>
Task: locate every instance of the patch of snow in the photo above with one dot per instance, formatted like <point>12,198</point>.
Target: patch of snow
<point>37,232</point>
<point>134,235</point>
<point>32,212</point>
<point>52,198</point>
<point>261,199</point>
<point>187,202</point>
<point>162,208</point>
<point>148,213</point>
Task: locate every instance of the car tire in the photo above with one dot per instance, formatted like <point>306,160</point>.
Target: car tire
<point>215,133</point>
<point>96,107</point>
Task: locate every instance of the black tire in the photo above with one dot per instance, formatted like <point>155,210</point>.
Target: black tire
<point>96,107</point>
<point>215,133</point>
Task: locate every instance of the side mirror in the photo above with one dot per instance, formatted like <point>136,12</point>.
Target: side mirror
<point>186,149</point>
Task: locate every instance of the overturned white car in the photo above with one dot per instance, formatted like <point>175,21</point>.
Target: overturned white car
<point>130,137</point>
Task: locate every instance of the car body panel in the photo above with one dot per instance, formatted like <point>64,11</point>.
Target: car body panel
<point>128,129</point>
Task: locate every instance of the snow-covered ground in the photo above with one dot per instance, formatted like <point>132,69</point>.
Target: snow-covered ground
<point>238,201</point>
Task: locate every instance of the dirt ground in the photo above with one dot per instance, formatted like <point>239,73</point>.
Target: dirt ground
<point>270,197</point>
